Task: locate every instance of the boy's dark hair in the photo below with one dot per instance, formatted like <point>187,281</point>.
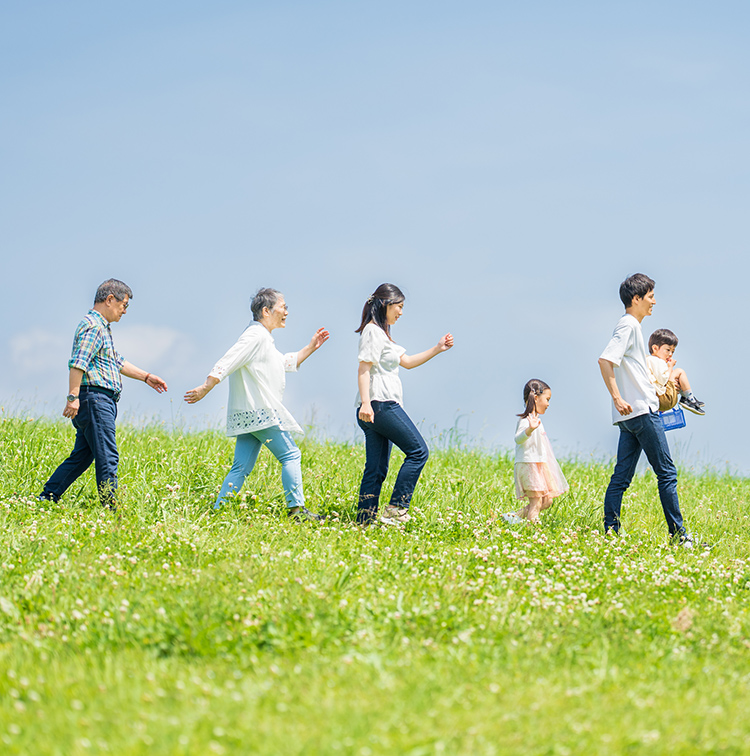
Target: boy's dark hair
<point>660,337</point>
<point>637,285</point>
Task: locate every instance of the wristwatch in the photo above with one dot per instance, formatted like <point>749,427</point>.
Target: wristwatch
<point>71,397</point>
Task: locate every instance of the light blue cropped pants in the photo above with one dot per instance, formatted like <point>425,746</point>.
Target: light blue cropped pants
<point>282,446</point>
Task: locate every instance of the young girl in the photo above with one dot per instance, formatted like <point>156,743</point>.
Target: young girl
<point>379,410</point>
<point>538,476</point>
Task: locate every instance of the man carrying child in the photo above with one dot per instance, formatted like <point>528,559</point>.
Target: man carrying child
<point>671,383</point>
<point>635,411</point>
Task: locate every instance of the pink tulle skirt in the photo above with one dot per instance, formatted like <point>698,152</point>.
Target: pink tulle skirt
<point>540,478</point>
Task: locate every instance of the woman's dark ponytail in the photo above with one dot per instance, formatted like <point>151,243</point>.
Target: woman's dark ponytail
<point>376,307</point>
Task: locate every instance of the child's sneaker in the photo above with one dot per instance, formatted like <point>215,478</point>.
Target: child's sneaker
<point>392,515</point>
<point>692,405</point>
<point>512,518</point>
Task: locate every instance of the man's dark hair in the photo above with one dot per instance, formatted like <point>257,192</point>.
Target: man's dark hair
<point>637,285</point>
<point>660,337</point>
<point>116,288</point>
<point>264,298</point>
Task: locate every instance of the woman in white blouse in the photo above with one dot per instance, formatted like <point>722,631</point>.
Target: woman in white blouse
<point>255,414</point>
<point>380,413</point>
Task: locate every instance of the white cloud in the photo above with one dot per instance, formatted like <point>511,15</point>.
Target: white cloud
<point>154,348</point>
<point>38,351</point>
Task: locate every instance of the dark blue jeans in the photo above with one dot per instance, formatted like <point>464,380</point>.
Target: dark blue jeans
<point>95,441</point>
<point>643,433</point>
<point>391,425</point>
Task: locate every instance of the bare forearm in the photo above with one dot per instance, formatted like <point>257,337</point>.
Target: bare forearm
<point>303,354</point>
<point>319,338</point>
<point>150,379</point>
<point>74,380</point>
<point>131,371</point>
<point>608,375</point>
<point>196,394</point>
<point>410,361</point>
<point>366,413</point>
<point>363,383</point>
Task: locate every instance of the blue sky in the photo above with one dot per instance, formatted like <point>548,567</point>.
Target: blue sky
<point>506,164</point>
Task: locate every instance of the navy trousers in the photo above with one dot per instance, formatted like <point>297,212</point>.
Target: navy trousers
<point>391,425</point>
<point>95,441</point>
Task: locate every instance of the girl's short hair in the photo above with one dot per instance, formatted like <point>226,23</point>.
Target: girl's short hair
<point>533,388</point>
<point>660,337</point>
<point>377,304</point>
<point>263,298</point>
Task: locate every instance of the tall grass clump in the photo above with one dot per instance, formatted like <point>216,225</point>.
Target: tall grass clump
<point>171,628</point>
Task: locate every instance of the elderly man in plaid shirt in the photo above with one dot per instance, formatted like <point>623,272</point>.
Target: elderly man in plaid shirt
<point>94,387</point>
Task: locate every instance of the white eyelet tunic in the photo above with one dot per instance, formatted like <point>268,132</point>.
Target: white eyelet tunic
<point>257,379</point>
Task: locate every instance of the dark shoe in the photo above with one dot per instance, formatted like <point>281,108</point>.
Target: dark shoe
<point>303,514</point>
<point>692,405</point>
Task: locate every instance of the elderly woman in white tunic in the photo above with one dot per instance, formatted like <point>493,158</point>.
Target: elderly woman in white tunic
<point>255,413</point>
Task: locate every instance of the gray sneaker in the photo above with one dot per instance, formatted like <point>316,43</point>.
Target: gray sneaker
<point>303,514</point>
<point>392,515</point>
<point>692,405</point>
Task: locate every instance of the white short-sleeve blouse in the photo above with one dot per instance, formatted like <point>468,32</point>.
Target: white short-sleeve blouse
<point>385,356</point>
<point>257,379</point>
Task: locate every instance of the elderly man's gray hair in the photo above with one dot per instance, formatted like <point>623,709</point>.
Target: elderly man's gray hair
<point>264,298</point>
<point>116,288</point>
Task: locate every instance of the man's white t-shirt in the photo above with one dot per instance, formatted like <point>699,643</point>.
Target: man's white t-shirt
<point>627,351</point>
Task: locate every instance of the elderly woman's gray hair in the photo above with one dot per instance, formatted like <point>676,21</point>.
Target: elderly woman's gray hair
<point>264,298</point>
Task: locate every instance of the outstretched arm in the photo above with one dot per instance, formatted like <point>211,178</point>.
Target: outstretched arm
<point>415,360</point>
<point>196,394</point>
<point>131,371</point>
<point>608,374</point>
<point>319,338</point>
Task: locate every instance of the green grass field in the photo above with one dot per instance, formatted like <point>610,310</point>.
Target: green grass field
<point>174,629</point>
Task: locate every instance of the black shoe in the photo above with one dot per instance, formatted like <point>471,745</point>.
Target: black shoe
<point>692,405</point>
<point>303,514</point>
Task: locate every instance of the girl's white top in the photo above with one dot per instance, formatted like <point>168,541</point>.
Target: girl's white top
<point>530,448</point>
<point>257,379</point>
<point>376,347</point>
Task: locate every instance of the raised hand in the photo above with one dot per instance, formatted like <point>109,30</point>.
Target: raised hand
<point>319,338</point>
<point>446,342</point>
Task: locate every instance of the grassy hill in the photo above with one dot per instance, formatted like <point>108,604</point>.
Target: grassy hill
<point>174,629</point>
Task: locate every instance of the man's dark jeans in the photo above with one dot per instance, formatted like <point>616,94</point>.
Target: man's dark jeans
<point>391,425</point>
<point>95,440</point>
<point>643,433</point>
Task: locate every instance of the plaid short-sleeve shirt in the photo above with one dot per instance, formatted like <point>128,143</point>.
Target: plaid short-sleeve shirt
<point>94,352</point>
